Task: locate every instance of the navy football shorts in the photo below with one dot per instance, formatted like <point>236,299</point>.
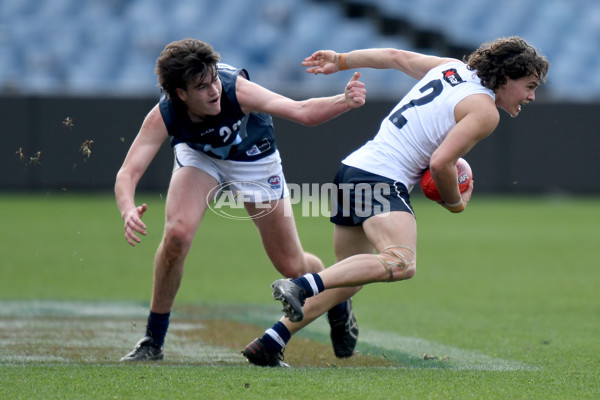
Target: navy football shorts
<point>360,195</point>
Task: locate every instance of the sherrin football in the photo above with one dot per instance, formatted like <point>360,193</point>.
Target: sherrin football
<point>465,176</point>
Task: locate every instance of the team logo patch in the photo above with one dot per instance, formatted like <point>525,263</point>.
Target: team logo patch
<point>452,77</point>
<point>253,151</point>
<point>274,181</point>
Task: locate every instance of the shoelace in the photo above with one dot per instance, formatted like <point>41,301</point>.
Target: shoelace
<point>280,354</point>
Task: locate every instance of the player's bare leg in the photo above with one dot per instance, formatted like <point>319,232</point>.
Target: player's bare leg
<point>397,229</point>
<point>267,351</point>
<point>185,207</point>
<point>349,241</point>
<point>281,242</point>
<point>396,260</point>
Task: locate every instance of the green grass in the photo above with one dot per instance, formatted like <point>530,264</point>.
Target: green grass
<point>514,279</point>
<point>184,382</point>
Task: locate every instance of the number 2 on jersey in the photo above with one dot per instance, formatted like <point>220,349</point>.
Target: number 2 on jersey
<point>436,85</point>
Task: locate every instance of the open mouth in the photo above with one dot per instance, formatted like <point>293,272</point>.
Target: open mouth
<point>521,105</point>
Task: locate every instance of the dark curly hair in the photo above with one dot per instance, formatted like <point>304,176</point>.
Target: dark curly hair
<point>183,62</point>
<point>506,58</point>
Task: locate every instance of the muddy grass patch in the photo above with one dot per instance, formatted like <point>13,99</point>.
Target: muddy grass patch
<point>49,333</point>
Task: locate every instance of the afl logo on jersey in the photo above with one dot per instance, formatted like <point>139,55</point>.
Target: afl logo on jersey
<point>452,77</point>
<point>253,151</point>
<point>275,182</point>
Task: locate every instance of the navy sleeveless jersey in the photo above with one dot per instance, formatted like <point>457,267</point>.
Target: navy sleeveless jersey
<point>230,135</point>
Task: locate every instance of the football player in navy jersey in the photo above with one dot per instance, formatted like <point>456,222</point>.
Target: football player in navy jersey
<point>221,130</point>
<point>450,109</point>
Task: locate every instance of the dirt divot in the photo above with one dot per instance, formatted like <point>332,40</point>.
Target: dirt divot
<point>65,333</point>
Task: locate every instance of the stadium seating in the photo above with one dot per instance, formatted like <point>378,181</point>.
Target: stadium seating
<point>100,47</point>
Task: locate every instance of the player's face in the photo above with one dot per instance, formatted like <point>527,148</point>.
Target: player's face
<point>202,98</point>
<point>516,93</point>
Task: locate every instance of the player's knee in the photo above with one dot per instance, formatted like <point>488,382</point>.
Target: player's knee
<point>294,266</point>
<point>400,262</point>
<point>402,273</point>
<point>410,271</point>
<point>312,264</point>
<point>289,271</point>
<point>289,267</point>
<point>177,239</point>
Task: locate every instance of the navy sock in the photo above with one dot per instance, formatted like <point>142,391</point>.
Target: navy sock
<point>338,311</point>
<point>157,327</point>
<point>276,338</point>
<point>311,283</point>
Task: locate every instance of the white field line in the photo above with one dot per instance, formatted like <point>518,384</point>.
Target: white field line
<point>45,308</point>
<point>412,350</point>
<point>51,332</point>
<point>415,348</point>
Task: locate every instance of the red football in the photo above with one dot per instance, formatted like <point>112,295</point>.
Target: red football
<point>465,175</point>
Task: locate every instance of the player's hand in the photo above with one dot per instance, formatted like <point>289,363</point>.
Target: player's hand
<point>321,62</point>
<point>134,224</point>
<point>355,92</point>
<point>466,197</point>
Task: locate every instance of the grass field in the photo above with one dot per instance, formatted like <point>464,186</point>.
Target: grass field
<point>505,304</point>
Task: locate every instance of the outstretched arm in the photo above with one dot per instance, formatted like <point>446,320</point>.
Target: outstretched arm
<point>314,111</point>
<point>413,64</point>
<point>145,146</point>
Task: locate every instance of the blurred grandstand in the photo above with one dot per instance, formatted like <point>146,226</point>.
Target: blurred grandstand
<point>109,47</point>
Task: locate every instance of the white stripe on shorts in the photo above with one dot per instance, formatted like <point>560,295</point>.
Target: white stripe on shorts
<point>402,198</point>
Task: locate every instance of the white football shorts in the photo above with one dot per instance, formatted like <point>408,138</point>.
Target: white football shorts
<point>257,181</point>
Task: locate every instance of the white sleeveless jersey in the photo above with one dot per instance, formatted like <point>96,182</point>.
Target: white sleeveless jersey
<point>418,124</point>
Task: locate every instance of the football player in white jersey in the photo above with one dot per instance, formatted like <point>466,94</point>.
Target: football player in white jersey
<point>451,108</point>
